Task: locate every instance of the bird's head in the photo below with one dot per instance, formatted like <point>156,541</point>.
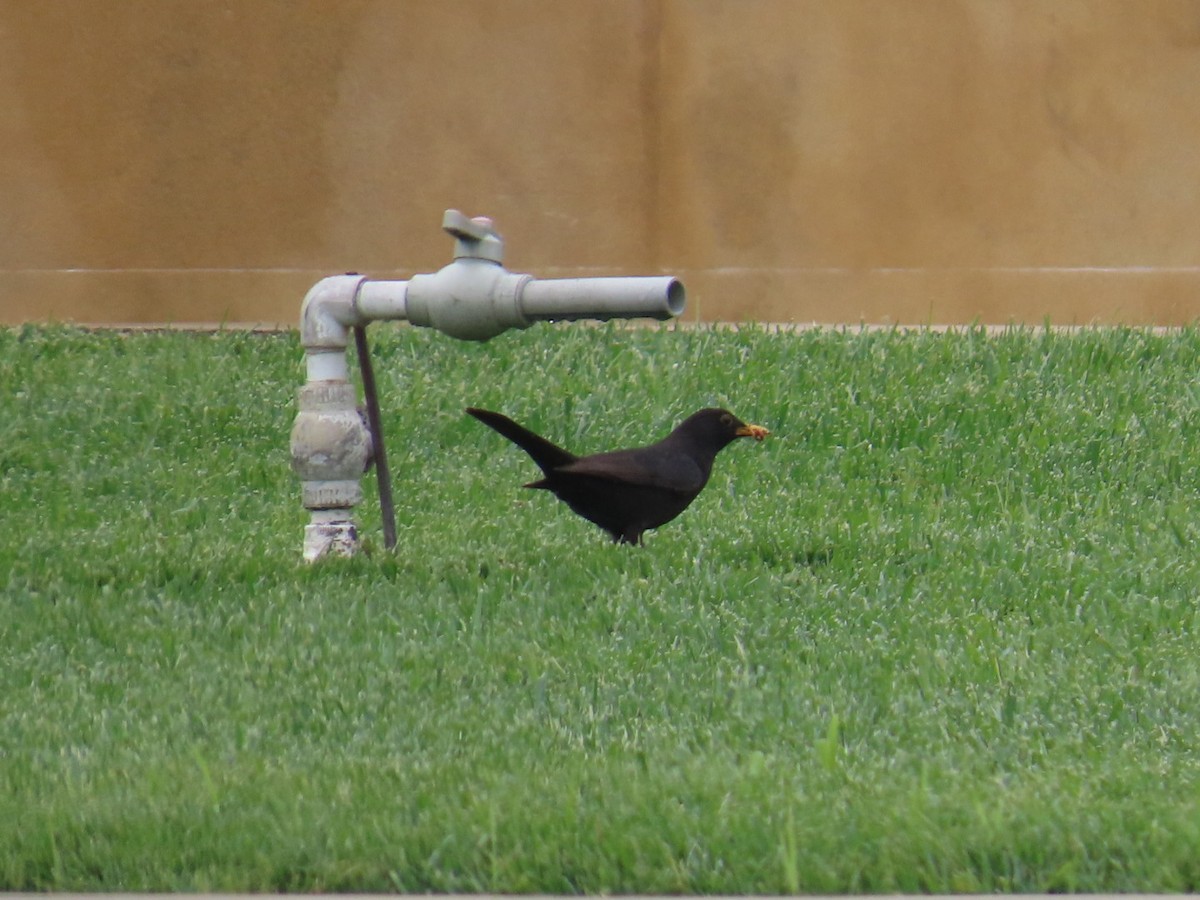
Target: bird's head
<point>719,427</point>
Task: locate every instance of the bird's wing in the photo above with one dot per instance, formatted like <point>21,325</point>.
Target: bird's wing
<point>648,467</point>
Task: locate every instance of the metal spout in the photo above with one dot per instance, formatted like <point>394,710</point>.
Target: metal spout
<point>566,299</point>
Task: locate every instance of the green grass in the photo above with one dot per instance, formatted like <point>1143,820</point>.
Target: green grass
<point>938,633</point>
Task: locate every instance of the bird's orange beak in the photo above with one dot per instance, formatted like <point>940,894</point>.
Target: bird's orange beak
<point>755,431</point>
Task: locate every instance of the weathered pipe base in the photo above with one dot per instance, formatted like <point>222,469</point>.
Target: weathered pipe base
<point>329,533</point>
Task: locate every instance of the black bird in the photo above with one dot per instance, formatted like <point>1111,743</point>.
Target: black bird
<point>626,492</point>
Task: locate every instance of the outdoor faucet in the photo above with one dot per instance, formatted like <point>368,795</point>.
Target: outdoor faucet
<point>473,298</point>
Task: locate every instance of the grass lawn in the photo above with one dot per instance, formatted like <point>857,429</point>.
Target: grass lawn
<point>938,633</point>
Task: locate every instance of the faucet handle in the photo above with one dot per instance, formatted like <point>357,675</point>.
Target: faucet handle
<point>475,238</point>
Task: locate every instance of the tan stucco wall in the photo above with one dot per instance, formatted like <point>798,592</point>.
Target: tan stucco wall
<point>792,160</point>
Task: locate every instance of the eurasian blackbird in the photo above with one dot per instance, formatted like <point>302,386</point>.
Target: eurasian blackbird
<point>626,492</point>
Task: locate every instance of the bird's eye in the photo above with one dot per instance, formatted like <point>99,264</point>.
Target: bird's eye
<point>726,419</point>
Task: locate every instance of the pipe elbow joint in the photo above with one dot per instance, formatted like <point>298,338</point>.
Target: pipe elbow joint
<point>329,311</point>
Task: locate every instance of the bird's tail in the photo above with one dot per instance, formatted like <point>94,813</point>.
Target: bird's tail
<point>548,456</point>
